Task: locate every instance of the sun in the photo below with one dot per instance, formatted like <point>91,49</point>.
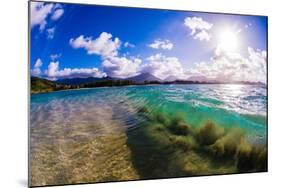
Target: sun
<point>228,41</point>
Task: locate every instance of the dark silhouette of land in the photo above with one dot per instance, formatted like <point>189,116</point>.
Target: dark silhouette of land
<point>41,85</point>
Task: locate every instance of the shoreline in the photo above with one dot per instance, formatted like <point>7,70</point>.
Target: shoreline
<point>133,85</point>
<point>247,114</point>
<point>85,88</point>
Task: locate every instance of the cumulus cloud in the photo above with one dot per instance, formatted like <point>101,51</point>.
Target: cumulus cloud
<point>107,47</point>
<point>104,45</point>
<point>36,71</point>
<point>202,35</point>
<point>53,72</point>
<point>163,67</point>
<point>121,67</point>
<point>161,44</point>
<point>40,11</point>
<point>232,67</point>
<point>199,28</point>
<point>51,33</point>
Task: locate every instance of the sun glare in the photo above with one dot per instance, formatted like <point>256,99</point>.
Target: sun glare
<point>228,41</point>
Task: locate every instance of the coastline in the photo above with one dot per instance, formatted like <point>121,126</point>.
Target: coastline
<point>132,85</point>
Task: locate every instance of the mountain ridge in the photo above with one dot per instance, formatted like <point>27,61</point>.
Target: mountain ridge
<point>141,78</point>
<point>144,77</point>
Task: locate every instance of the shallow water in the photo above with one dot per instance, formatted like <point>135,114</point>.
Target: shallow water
<point>79,132</point>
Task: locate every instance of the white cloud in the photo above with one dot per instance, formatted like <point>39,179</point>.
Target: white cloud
<point>40,11</point>
<point>57,14</point>
<point>55,56</point>
<point>36,71</point>
<point>104,45</point>
<point>161,44</point>
<point>129,45</point>
<point>121,67</point>
<point>52,70</point>
<point>51,33</point>
<point>199,28</point>
<point>197,23</point>
<point>233,67</point>
<point>54,73</point>
<point>107,47</point>
<point>202,35</point>
<point>163,67</point>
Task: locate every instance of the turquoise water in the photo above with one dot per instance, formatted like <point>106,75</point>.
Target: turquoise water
<point>242,106</point>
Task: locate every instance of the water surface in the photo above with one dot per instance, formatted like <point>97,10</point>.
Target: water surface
<point>82,135</point>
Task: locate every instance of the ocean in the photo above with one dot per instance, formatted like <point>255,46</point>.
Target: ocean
<point>65,123</point>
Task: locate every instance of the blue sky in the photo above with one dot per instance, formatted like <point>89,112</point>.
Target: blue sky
<point>71,40</point>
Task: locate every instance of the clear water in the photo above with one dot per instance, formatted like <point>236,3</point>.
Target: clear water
<point>81,135</point>
<point>243,106</point>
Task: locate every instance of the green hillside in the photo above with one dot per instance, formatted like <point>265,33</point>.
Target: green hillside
<point>40,85</point>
